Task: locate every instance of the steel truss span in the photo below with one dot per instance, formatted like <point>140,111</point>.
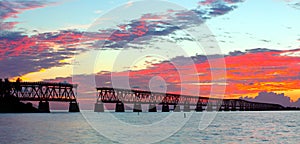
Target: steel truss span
<point>42,92</point>
<point>138,97</point>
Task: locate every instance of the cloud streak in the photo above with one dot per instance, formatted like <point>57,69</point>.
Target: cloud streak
<point>11,9</point>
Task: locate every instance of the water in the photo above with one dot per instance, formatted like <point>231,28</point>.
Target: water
<point>227,127</point>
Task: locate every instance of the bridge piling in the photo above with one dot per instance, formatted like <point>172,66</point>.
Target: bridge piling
<point>186,107</point>
<point>74,107</point>
<point>152,108</point>
<point>99,107</point>
<point>176,108</point>
<point>137,107</point>
<point>226,107</point>
<point>199,107</point>
<point>120,107</point>
<point>165,108</point>
<point>241,106</point>
<point>209,107</point>
<point>44,106</point>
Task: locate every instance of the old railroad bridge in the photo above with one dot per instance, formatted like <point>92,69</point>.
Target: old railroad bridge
<point>65,92</point>
<point>138,97</point>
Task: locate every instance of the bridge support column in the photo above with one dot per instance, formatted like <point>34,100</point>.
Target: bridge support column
<point>218,105</point>
<point>242,107</point>
<point>137,107</point>
<point>176,108</point>
<point>233,105</point>
<point>165,108</point>
<point>252,107</point>
<point>186,107</point>
<point>99,107</point>
<point>199,107</point>
<point>247,107</point>
<point>226,108</point>
<point>209,106</point>
<point>225,105</point>
<point>152,108</point>
<point>120,107</point>
<point>74,107</point>
<point>44,106</point>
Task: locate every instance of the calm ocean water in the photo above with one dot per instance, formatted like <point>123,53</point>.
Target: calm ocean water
<point>226,127</point>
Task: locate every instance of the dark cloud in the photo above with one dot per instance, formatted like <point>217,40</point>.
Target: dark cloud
<point>11,35</point>
<point>163,24</point>
<point>236,53</point>
<point>220,9</point>
<point>295,5</point>
<point>267,41</point>
<point>17,66</point>
<point>137,30</point>
<point>255,50</point>
<point>258,50</point>
<point>20,54</point>
<point>217,7</point>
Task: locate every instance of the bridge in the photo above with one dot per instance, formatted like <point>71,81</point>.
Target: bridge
<point>42,92</point>
<point>199,104</point>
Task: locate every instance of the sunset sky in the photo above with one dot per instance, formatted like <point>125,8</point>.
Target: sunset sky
<point>231,48</point>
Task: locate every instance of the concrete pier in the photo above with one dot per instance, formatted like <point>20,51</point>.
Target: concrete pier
<point>74,107</point>
<point>209,106</point>
<point>99,107</point>
<point>242,108</point>
<point>120,107</point>
<point>226,108</point>
<point>44,106</point>
<point>199,107</point>
<point>152,108</point>
<point>137,107</point>
<point>176,108</point>
<point>186,107</point>
<point>165,108</point>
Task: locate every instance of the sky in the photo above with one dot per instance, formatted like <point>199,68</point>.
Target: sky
<point>218,48</point>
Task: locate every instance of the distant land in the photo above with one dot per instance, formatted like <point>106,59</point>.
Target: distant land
<point>11,104</point>
<point>271,97</point>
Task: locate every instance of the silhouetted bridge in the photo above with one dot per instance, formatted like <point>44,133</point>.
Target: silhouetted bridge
<point>42,92</point>
<point>138,97</point>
